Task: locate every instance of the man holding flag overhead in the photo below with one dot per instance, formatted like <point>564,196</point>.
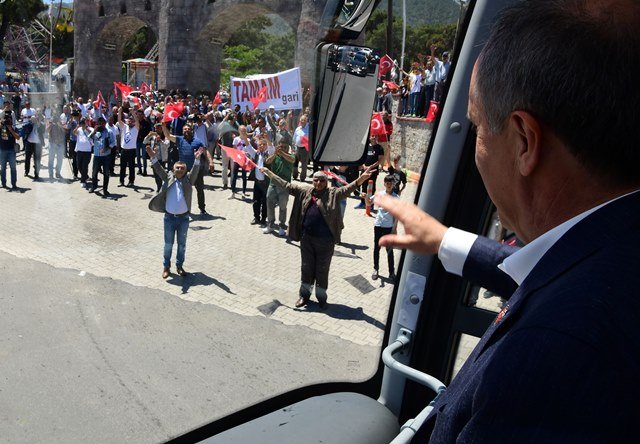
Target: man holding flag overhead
<point>188,145</point>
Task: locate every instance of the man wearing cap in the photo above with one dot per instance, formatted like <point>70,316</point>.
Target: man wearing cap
<point>316,221</point>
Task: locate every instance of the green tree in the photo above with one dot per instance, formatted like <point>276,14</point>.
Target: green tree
<point>18,12</point>
<point>139,44</point>
<point>251,50</point>
<point>418,39</point>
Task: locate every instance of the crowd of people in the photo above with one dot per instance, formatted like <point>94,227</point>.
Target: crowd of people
<point>132,139</point>
<point>422,84</point>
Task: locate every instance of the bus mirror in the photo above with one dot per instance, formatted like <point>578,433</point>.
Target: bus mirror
<point>345,19</point>
<point>345,88</point>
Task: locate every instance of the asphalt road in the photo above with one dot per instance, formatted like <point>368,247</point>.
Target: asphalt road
<point>91,359</point>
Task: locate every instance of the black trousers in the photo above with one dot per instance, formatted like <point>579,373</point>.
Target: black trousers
<point>128,159</point>
<point>114,156</point>
<point>73,157</point>
<point>84,158</point>
<point>378,232</point>
<point>32,150</point>
<point>316,254</point>
<point>104,162</point>
<point>260,200</point>
<point>200,189</point>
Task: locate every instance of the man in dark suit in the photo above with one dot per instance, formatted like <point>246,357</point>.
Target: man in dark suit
<point>560,362</point>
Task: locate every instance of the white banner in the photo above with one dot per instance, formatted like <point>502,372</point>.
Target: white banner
<point>283,90</point>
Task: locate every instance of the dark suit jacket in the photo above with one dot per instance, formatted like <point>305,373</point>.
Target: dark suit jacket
<point>563,363</point>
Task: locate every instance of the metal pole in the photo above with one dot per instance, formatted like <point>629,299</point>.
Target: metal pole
<point>50,43</point>
<point>404,36</point>
<point>390,28</point>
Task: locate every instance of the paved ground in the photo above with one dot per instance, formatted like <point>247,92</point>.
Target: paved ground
<point>234,265</point>
<point>93,359</point>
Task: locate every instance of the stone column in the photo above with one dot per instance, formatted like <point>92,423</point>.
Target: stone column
<point>175,42</point>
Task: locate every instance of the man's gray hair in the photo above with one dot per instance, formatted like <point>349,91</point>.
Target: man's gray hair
<point>573,64</point>
<point>320,175</point>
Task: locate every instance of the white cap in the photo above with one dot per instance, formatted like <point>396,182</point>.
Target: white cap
<point>272,107</point>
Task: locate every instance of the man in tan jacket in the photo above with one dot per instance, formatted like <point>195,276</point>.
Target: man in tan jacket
<point>316,221</point>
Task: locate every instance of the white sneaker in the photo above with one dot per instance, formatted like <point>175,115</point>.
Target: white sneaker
<point>281,231</point>
<point>268,229</point>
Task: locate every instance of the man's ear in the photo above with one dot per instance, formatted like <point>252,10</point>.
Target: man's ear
<point>527,132</point>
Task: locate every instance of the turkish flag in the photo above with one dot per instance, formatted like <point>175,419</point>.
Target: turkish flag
<point>239,157</point>
<point>136,101</point>
<point>336,177</point>
<point>124,89</point>
<point>144,88</point>
<point>172,111</point>
<point>217,100</point>
<point>304,140</point>
<point>99,102</point>
<point>386,63</point>
<point>261,97</point>
<point>434,107</point>
<point>377,125</point>
<point>391,85</point>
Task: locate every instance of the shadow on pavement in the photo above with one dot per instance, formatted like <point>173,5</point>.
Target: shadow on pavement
<point>353,247</point>
<point>341,311</point>
<point>361,283</point>
<point>195,279</point>
<point>207,217</point>
<point>20,190</point>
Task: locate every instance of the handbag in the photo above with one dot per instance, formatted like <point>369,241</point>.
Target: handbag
<point>16,147</point>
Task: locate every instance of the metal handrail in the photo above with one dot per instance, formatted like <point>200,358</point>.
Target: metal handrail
<point>409,429</point>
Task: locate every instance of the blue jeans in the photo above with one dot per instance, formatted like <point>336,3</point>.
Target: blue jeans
<point>8,156</point>
<point>141,156</point>
<point>413,103</point>
<point>175,226</point>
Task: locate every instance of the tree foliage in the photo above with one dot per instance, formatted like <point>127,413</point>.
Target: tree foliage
<point>18,12</point>
<point>251,50</point>
<point>418,39</point>
<point>139,44</point>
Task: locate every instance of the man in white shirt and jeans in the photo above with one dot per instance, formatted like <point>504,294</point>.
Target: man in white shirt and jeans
<point>174,200</point>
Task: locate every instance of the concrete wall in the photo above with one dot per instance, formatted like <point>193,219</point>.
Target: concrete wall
<point>410,139</point>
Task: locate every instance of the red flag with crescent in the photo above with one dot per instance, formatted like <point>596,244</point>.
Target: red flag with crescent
<point>217,100</point>
<point>239,157</point>
<point>386,63</point>
<point>99,102</point>
<point>434,107</point>
<point>377,125</point>
<point>391,85</point>
<point>124,89</point>
<point>144,88</point>
<point>173,111</point>
<point>261,97</point>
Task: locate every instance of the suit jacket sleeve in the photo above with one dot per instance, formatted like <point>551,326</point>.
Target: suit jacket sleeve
<point>481,266</point>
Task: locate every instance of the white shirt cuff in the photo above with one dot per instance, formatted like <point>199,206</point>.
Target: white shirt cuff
<point>454,249</point>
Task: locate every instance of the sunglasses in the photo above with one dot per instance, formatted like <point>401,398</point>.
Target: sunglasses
<point>319,180</point>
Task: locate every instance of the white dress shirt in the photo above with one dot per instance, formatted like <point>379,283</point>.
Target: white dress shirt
<point>456,245</point>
